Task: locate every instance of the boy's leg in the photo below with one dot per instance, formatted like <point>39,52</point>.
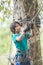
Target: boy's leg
<point>23,63</point>
<point>20,63</point>
<point>27,63</point>
<point>17,63</point>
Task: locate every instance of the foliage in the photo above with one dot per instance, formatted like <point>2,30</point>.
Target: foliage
<point>4,10</point>
<point>4,40</point>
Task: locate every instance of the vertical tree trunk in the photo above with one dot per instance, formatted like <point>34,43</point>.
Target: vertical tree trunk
<point>28,9</point>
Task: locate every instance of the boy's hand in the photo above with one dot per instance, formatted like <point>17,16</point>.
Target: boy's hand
<point>27,29</point>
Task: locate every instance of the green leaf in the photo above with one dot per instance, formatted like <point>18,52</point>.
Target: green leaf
<point>1,7</point>
<point>3,19</point>
<point>8,1</point>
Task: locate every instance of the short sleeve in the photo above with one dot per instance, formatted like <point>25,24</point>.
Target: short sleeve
<point>27,34</point>
<point>14,38</point>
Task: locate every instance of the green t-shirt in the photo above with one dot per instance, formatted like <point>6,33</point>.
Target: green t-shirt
<point>22,44</point>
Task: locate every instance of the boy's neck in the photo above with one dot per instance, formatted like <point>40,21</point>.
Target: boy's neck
<point>18,33</point>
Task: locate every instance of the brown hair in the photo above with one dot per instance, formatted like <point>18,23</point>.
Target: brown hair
<point>12,26</point>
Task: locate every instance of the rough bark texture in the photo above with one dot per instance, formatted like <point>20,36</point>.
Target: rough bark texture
<point>28,9</point>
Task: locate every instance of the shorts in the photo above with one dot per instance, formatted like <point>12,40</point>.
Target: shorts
<point>21,59</point>
<point>22,63</point>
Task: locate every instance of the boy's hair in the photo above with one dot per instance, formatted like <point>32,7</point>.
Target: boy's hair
<point>12,26</point>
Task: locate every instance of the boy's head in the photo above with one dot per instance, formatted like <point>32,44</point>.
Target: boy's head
<point>15,27</point>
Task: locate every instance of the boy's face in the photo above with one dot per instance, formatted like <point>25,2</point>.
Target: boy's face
<point>17,28</point>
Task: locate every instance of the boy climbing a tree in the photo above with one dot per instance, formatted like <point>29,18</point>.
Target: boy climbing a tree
<point>19,38</point>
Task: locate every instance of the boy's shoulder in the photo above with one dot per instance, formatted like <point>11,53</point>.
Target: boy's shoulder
<point>14,35</point>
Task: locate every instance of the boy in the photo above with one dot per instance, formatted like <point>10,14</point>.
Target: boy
<point>20,40</point>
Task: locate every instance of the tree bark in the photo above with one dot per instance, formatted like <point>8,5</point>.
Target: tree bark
<point>28,9</point>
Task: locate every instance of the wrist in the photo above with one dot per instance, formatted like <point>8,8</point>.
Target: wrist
<point>23,33</point>
<point>27,29</point>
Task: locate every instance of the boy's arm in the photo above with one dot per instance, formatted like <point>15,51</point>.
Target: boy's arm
<point>22,33</point>
<point>20,37</point>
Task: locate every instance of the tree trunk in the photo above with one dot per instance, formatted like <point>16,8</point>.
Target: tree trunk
<point>28,9</point>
